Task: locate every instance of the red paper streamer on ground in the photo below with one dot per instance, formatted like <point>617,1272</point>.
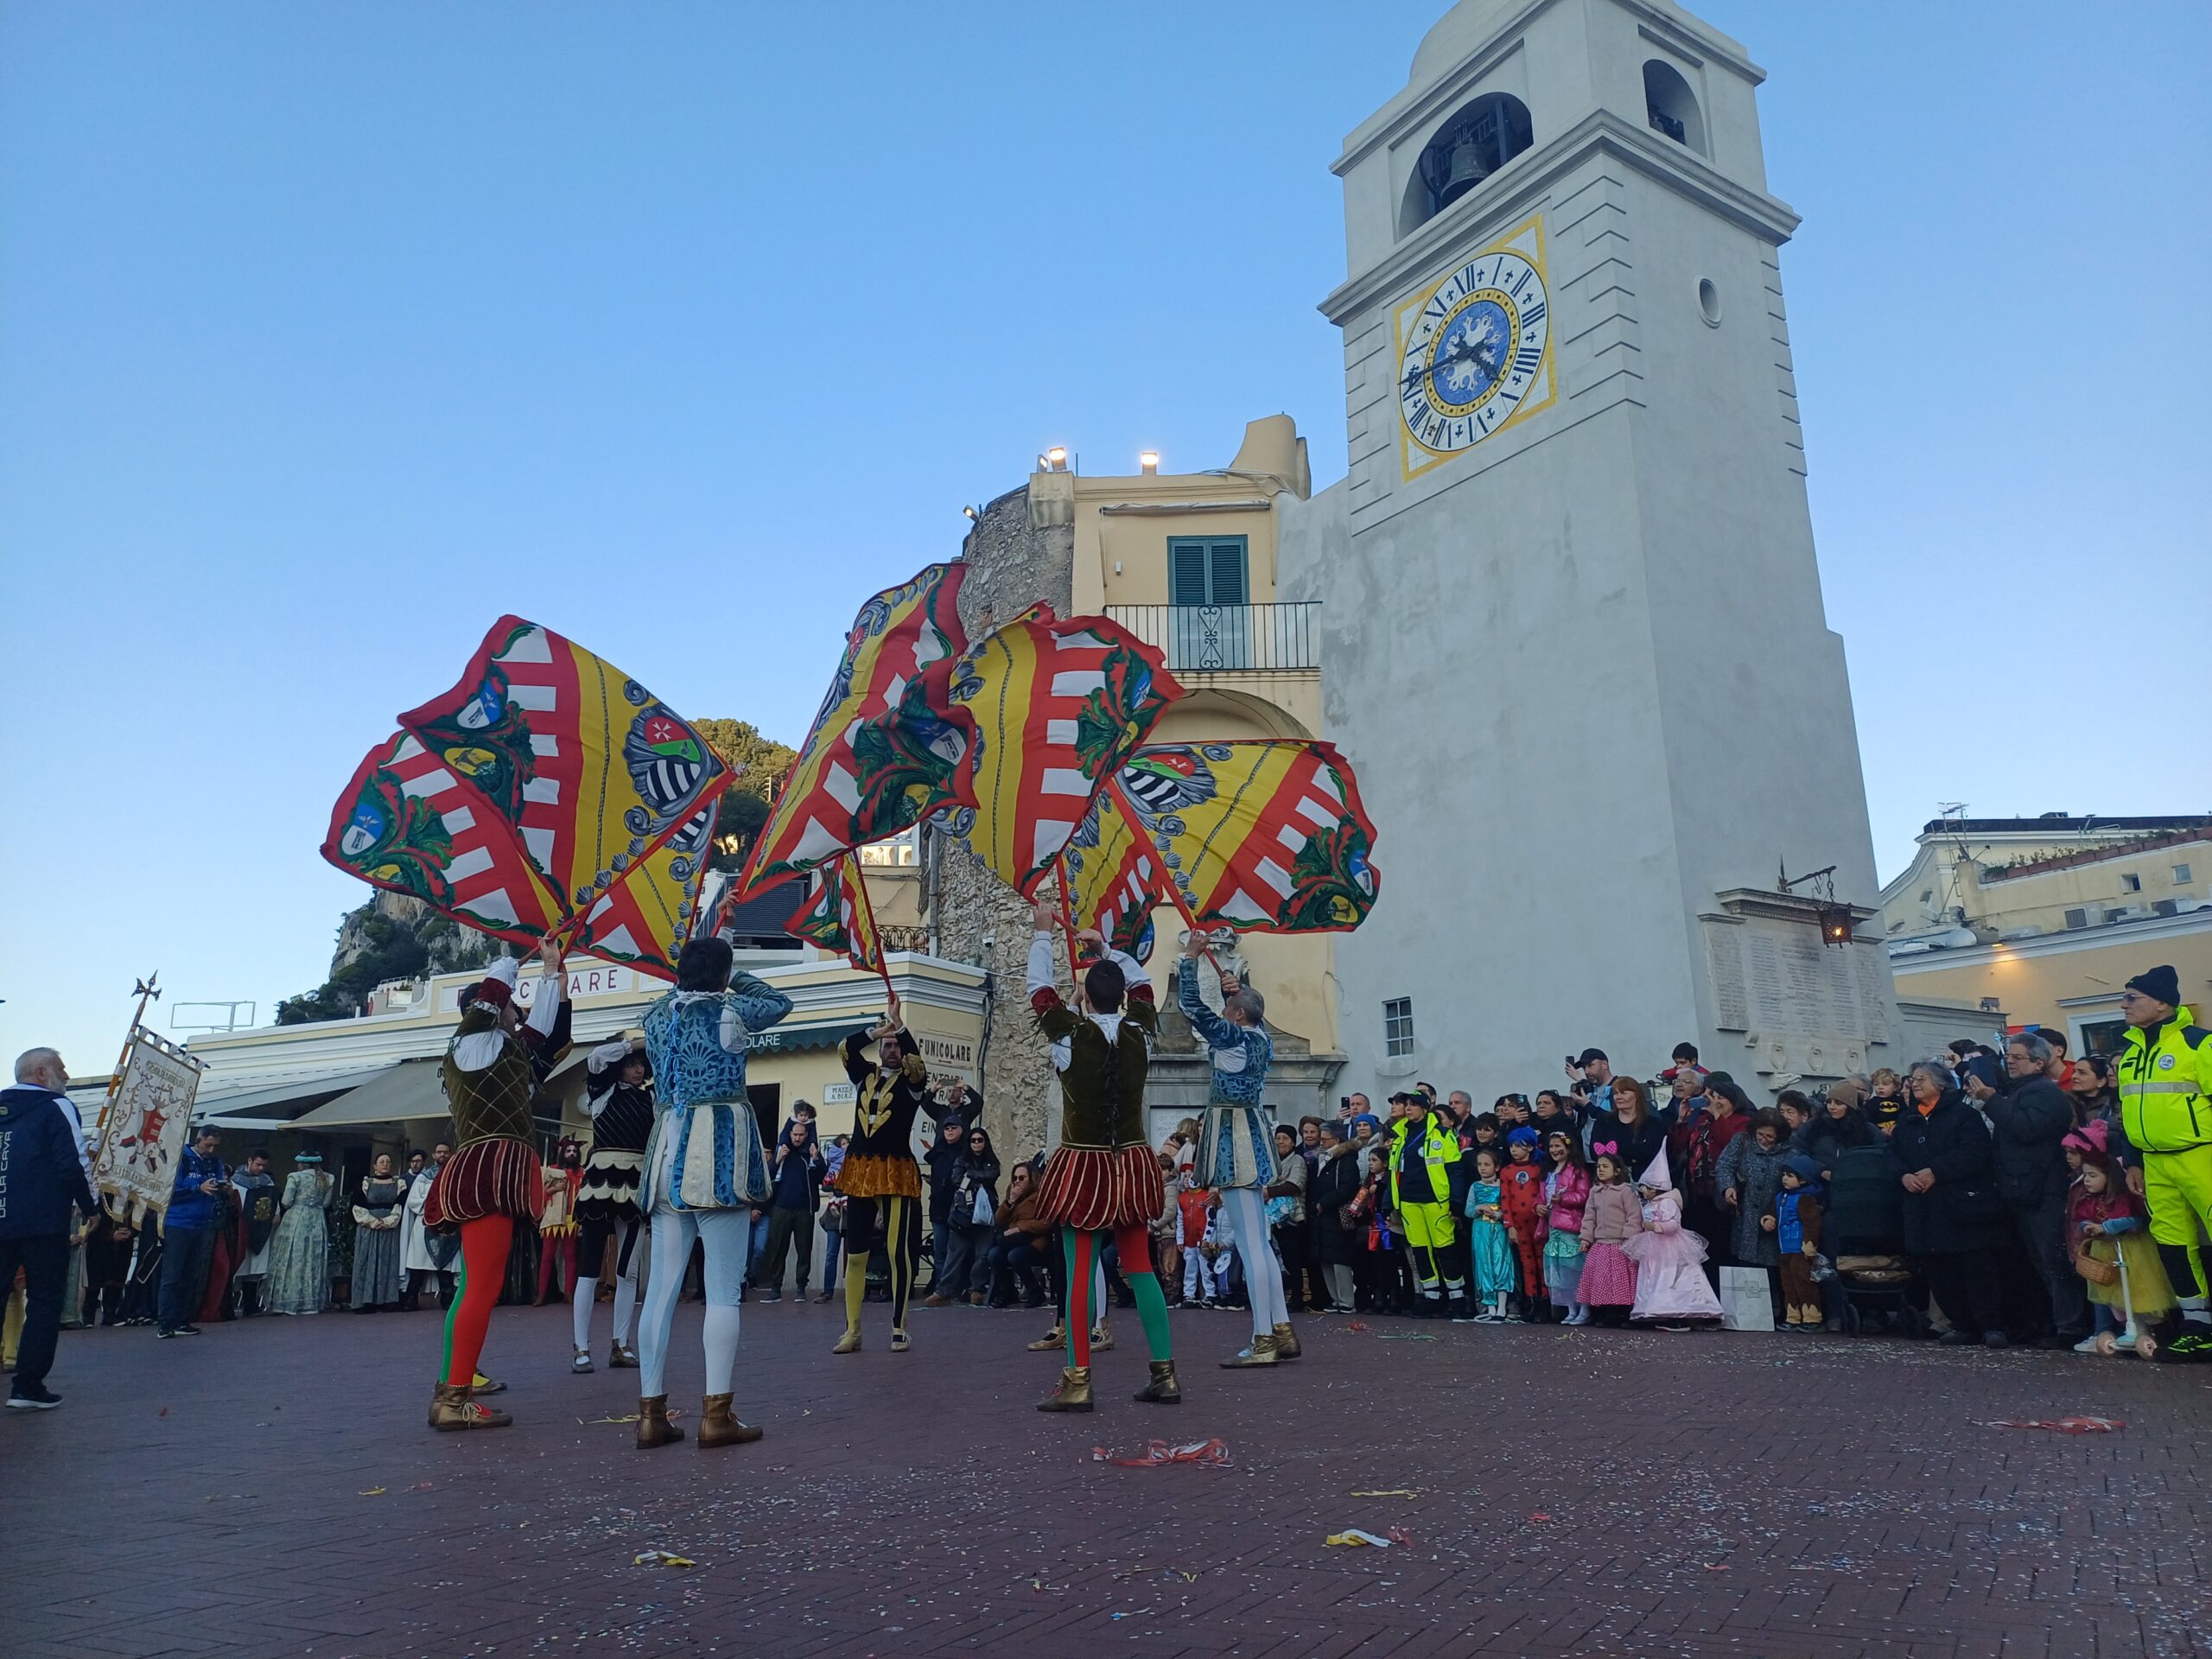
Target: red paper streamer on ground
<point>1207,1454</point>
<point>2061,1424</point>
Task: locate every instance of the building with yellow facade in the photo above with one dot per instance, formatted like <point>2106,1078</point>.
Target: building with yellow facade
<point>2048,918</point>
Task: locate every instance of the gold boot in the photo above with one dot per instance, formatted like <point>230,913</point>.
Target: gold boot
<point>653,1426</point>
<point>483,1385</point>
<point>718,1427</point>
<point>849,1343</point>
<point>1163,1389</point>
<point>1074,1392</point>
<point>619,1357</point>
<point>1261,1351</point>
<point>452,1407</point>
<point>1055,1337</point>
<point>1286,1341</point>
<point>1101,1339</point>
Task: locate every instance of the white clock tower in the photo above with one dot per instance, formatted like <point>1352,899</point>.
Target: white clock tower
<point>1573,631</point>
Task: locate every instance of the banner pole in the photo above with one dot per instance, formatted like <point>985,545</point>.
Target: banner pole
<point>867,909</point>
<point>148,988</point>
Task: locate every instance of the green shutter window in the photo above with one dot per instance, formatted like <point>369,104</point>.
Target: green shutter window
<point>1187,573</point>
<point>1226,568</point>
<point>1209,588</point>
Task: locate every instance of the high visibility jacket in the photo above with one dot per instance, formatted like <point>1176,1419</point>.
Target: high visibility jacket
<point>1439,1152</point>
<point>2165,1086</point>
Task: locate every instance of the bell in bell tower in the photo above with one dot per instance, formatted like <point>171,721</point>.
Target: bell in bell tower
<point>1572,634</point>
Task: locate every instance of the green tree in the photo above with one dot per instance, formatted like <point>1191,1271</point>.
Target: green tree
<point>745,809</point>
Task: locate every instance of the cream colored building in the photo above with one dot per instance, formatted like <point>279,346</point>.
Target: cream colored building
<point>2047,919</point>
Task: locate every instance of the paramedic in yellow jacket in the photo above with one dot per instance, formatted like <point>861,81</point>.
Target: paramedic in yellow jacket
<point>2164,1078</point>
<point>1422,1154</point>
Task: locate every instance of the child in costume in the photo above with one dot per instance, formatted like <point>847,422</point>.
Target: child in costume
<point>1102,1177</point>
<point>1797,1210</point>
<point>1566,1188</point>
<point>1521,1189</point>
<point>1611,1218</point>
<point>1670,1286</point>
<point>2105,1223</point>
<point>1492,1251</point>
<point>619,1096</point>
<point>1205,1260</point>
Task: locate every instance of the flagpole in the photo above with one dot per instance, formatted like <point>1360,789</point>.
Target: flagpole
<point>148,989</point>
<point>867,908</point>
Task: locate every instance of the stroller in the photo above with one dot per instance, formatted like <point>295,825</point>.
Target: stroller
<point>1864,1235</point>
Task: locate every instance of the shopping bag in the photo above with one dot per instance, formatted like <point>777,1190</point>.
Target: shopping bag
<point>985,1211</point>
<point>1744,1303</point>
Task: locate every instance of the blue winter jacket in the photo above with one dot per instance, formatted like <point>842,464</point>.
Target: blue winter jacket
<point>188,1206</point>
<point>41,1177</point>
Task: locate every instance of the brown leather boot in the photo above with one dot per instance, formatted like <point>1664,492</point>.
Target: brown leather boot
<point>453,1407</point>
<point>653,1426</point>
<point>1163,1389</point>
<point>718,1427</point>
<point>1286,1341</point>
<point>1074,1392</point>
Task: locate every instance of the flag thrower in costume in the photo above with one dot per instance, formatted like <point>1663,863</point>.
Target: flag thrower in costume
<point>1057,706</point>
<point>885,749</point>
<point>589,769</point>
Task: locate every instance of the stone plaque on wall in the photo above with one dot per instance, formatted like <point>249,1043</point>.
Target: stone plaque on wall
<point>1782,979</point>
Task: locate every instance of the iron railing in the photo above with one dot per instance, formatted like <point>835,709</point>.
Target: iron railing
<point>1230,638</point>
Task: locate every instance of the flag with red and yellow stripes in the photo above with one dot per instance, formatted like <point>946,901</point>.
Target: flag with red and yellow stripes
<point>838,917</point>
<point>1114,877</point>
<point>1056,707</point>
<point>647,918</point>
<point>589,769</point>
<point>406,823</point>
<point>1265,836</point>
<point>885,749</point>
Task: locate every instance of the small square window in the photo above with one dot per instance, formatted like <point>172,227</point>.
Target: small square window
<point>1398,1027</point>
<point>2131,884</point>
<point>2182,877</point>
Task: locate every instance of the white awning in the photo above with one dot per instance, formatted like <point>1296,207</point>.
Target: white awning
<point>403,1093</point>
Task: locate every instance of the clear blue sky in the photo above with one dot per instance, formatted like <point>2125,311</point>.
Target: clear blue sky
<point>328,333</point>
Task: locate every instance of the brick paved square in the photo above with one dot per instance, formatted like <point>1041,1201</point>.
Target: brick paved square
<point>1581,1493</point>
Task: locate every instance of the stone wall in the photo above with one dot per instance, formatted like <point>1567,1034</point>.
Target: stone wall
<point>1012,564</point>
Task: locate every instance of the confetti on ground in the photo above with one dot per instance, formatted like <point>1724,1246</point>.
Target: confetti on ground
<point>1355,1537</point>
<point>1400,1536</point>
<point>372,1492</point>
<point>1395,1492</point>
<point>1716,1566</point>
<point>1406,1336</point>
<point>1360,1326</point>
<point>424,1485</point>
<point>2059,1425</point>
<point>661,1558</point>
<point>1208,1454</point>
<point>1540,1516</point>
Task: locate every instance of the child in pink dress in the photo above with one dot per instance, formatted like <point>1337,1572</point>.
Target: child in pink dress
<point>1670,1286</point>
<point>1609,1220</point>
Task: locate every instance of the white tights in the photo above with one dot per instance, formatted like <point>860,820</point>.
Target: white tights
<point>1246,1212</point>
<point>625,1302</point>
<point>727,1236</point>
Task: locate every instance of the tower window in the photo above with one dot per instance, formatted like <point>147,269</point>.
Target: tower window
<point>2131,884</point>
<point>1483,136</point>
<point>2181,875</point>
<point>1671,107</point>
<point>1398,1027</point>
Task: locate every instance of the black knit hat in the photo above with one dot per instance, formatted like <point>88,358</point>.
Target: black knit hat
<point>2160,984</point>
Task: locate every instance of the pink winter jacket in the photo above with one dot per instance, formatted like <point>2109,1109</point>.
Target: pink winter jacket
<point>1570,1191</point>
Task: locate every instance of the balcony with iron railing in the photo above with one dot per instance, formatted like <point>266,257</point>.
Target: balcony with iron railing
<point>1284,639</point>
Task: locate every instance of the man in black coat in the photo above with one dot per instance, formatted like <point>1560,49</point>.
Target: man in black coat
<point>44,1181</point>
<point>2029,1117</point>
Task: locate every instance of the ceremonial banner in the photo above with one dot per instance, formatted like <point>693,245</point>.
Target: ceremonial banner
<point>1057,706</point>
<point>589,768</point>
<point>884,749</point>
<point>836,915</point>
<point>1113,878</point>
<point>648,919</point>
<point>1264,835</point>
<point>406,824</point>
<point>142,1134</point>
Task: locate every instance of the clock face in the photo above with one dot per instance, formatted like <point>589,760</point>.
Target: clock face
<point>1473,352</point>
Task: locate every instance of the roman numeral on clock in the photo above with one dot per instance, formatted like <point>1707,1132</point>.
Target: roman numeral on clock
<point>1530,356</point>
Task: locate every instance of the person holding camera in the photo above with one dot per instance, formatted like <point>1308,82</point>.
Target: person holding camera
<point>188,1233</point>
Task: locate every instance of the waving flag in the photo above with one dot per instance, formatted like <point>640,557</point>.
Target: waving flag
<point>647,918</point>
<point>1265,836</point>
<point>406,823</point>
<point>884,749</point>
<point>1114,877</point>
<point>590,770</point>
<point>836,915</point>
<point>1056,707</point>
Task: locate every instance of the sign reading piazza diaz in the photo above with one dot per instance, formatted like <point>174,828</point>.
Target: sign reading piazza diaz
<point>1576,495</point>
